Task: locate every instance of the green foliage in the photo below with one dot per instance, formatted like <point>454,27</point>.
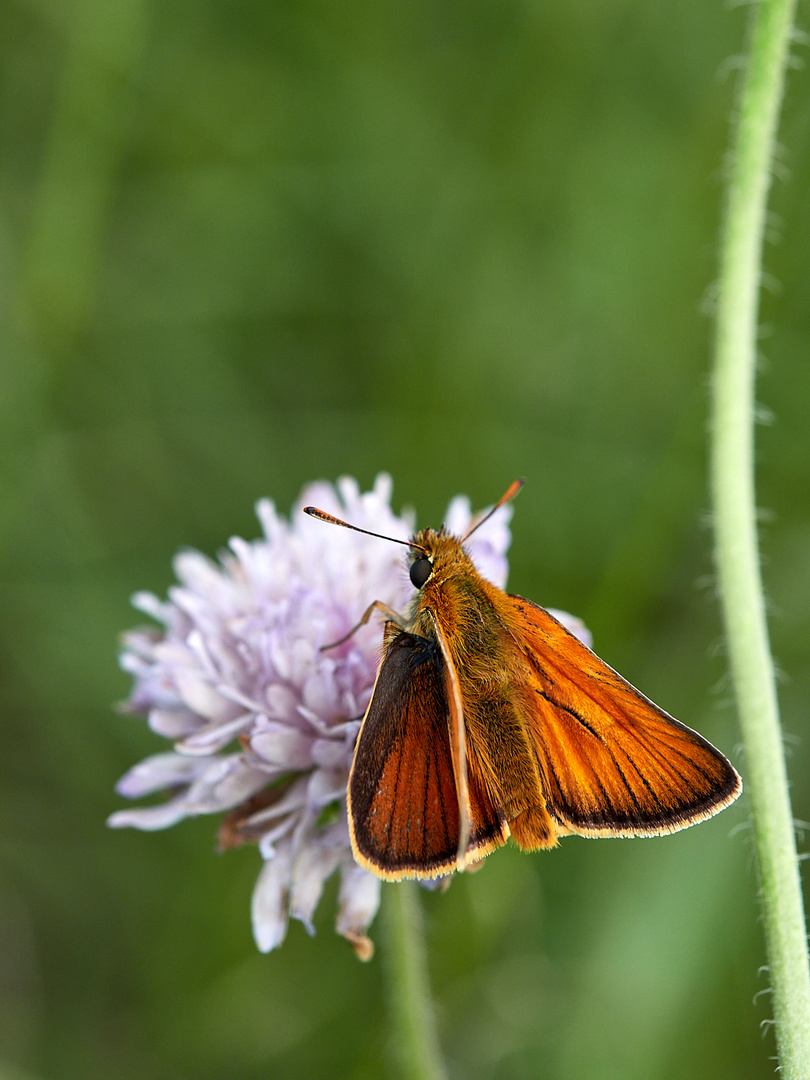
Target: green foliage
<point>243,246</point>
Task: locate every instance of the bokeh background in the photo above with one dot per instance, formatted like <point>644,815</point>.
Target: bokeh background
<point>247,245</point>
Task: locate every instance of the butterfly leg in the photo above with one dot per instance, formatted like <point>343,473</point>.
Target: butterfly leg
<point>377,605</point>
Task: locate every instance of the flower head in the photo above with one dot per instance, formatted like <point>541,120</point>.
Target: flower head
<point>262,719</point>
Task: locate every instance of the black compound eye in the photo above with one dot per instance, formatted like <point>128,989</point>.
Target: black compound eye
<point>421,569</point>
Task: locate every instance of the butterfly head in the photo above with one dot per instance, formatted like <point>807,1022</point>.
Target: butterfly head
<point>434,556</point>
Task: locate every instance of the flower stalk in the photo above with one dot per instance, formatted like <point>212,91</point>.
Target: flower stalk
<point>413,1023</point>
<point>734,507</point>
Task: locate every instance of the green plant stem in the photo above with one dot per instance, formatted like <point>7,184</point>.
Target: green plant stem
<point>413,1024</point>
<point>733,493</point>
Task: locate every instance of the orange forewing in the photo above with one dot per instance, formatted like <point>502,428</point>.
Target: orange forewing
<point>612,762</point>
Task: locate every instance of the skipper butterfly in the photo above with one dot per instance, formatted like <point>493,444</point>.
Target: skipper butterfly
<point>489,719</point>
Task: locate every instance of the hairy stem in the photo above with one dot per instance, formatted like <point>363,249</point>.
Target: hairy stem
<point>733,495</point>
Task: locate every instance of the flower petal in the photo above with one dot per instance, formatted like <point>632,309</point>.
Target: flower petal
<point>268,907</point>
<point>173,723</point>
<point>282,746</point>
<point>358,902</point>
<point>214,737</point>
<point>149,818</point>
<point>201,697</point>
<point>312,866</point>
<point>159,772</point>
<point>224,784</point>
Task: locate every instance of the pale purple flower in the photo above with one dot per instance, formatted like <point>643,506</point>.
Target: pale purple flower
<point>262,722</point>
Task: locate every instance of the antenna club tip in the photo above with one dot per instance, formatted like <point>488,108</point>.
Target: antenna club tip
<point>513,490</point>
<point>321,515</point>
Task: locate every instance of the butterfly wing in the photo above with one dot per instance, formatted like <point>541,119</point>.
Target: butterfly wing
<point>612,763</point>
<point>403,805</point>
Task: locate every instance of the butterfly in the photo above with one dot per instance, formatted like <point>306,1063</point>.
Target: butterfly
<point>489,719</point>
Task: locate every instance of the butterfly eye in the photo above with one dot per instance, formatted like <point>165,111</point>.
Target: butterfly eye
<point>421,569</point>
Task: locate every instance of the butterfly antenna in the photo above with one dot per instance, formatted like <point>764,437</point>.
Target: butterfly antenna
<point>507,496</point>
<point>322,515</point>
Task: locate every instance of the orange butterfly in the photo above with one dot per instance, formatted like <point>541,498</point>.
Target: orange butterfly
<point>489,719</point>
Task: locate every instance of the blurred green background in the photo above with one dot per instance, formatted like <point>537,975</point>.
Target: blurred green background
<point>247,245</point>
